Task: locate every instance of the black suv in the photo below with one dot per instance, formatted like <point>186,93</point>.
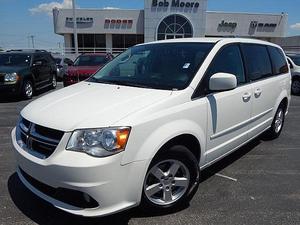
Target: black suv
<point>24,71</point>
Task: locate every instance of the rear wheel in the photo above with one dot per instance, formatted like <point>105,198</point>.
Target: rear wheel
<point>296,86</point>
<point>171,180</point>
<point>27,89</point>
<point>277,124</point>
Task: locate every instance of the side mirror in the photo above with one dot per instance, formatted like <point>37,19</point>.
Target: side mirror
<point>222,82</point>
<point>37,63</point>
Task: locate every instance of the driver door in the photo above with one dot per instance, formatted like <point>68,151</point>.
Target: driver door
<point>229,112</point>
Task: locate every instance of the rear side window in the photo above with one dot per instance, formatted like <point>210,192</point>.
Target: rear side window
<point>278,61</point>
<point>257,61</point>
<point>228,60</point>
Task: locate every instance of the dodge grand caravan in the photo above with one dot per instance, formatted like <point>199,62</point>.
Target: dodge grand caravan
<point>142,128</point>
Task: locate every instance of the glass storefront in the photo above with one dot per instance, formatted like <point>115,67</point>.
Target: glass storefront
<point>90,41</point>
<point>126,40</point>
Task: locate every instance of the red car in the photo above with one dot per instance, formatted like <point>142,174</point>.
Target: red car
<point>85,66</point>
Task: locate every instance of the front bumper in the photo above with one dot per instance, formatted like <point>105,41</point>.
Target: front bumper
<point>10,89</point>
<point>113,186</point>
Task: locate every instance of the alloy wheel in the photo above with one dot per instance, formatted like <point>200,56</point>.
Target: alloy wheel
<point>166,182</point>
<point>279,120</point>
<point>28,90</point>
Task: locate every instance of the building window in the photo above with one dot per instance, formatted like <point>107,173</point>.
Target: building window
<point>89,42</point>
<point>123,41</point>
<point>174,26</point>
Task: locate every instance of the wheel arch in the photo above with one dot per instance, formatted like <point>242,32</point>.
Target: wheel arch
<point>179,132</point>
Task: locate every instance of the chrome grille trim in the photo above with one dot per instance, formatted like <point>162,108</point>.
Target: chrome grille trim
<point>35,143</point>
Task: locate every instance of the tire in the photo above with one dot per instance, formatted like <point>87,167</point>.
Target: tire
<point>277,124</point>
<point>296,86</point>
<point>54,82</point>
<point>27,89</point>
<point>171,181</point>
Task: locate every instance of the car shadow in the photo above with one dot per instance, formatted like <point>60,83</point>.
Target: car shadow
<point>44,213</point>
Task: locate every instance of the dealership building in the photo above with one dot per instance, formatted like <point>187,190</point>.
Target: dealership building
<point>162,19</point>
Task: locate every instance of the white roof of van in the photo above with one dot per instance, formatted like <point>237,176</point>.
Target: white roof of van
<point>213,40</point>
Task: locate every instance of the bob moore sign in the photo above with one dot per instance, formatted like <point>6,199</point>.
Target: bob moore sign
<point>175,4</point>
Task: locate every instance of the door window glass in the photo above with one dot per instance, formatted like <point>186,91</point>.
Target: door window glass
<point>229,60</point>
<point>278,60</point>
<point>257,61</point>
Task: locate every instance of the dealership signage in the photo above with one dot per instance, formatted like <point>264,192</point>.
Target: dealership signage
<point>230,25</point>
<point>119,21</point>
<point>80,20</point>
<point>175,4</point>
<point>256,24</point>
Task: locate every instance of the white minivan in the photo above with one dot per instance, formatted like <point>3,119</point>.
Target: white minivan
<point>142,128</point>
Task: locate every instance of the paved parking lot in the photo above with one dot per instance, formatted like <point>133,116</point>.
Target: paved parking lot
<point>265,188</point>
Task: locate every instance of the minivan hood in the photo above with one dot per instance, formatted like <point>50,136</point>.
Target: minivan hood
<point>90,105</point>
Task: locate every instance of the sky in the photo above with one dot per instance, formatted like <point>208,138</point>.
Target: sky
<point>22,18</point>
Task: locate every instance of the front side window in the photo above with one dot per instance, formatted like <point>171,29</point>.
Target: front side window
<point>229,60</point>
<point>278,60</point>
<point>257,61</point>
<point>14,60</point>
<point>161,66</point>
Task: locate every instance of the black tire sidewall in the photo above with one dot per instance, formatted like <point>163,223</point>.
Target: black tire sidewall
<point>182,154</point>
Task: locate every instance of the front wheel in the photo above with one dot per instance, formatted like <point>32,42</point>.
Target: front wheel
<point>27,89</point>
<point>171,180</point>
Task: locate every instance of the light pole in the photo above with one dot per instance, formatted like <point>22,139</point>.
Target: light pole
<point>75,27</point>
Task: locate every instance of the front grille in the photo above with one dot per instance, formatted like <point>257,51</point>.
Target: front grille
<point>68,196</point>
<point>37,140</point>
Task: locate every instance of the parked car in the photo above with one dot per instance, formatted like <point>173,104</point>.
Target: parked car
<point>62,64</point>
<point>294,61</point>
<point>24,71</point>
<point>85,66</point>
<point>139,131</point>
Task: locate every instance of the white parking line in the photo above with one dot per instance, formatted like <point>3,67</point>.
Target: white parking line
<point>226,177</point>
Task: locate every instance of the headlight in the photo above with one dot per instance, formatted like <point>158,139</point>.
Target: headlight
<point>11,77</point>
<point>99,142</point>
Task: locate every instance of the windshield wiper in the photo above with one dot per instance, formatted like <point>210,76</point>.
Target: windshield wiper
<point>118,82</point>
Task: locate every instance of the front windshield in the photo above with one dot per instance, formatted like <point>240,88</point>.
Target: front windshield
<point>91,60</point>
<point>162,66</point>
<point>14,60</point>
<point>296,60</point>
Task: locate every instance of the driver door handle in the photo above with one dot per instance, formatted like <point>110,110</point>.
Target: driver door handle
<point>246,96</point>
<point>257,92</point>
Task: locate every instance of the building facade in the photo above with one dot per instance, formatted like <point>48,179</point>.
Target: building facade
<point>118,29</point>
